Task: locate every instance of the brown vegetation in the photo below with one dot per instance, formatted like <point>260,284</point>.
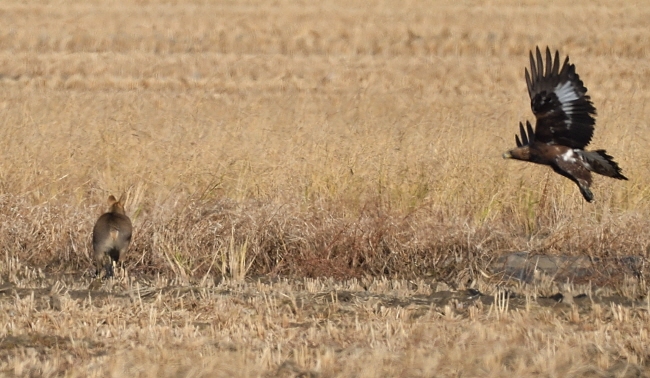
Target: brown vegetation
<point>289,139</point>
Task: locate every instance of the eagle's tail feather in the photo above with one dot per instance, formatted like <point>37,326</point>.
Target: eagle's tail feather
<point>600,162</point>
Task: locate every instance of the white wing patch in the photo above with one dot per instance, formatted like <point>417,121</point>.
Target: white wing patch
<point>566,94</point>
<point>569,156</point>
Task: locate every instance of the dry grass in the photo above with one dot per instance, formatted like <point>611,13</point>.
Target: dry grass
<point>313,328</point>
<point>300,139</point>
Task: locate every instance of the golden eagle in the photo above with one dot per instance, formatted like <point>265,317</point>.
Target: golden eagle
<point>565,125</point>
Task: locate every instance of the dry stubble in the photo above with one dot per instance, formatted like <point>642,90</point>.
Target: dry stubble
<point>336,139</point>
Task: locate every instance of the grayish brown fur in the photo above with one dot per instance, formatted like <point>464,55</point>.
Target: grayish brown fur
<point>111,236</point>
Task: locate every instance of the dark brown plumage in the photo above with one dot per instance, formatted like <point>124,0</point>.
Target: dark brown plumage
<point>565,125</point>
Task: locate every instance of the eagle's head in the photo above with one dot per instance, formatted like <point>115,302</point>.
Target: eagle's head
<point>519,153</point>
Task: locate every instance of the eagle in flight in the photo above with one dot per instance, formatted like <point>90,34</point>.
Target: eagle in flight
<point>565,125</point>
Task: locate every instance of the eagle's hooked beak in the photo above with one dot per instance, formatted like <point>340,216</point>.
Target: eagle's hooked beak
<point>507,155</point>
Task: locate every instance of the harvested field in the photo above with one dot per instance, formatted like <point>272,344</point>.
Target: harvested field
<point>305,179</point>
<point>373,327</point>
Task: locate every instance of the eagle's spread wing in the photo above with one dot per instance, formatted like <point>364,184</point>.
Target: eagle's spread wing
<point>565,114</point>
<point>527,137</point>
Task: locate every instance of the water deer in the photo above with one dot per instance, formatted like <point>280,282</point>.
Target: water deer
<point>111,236</point>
